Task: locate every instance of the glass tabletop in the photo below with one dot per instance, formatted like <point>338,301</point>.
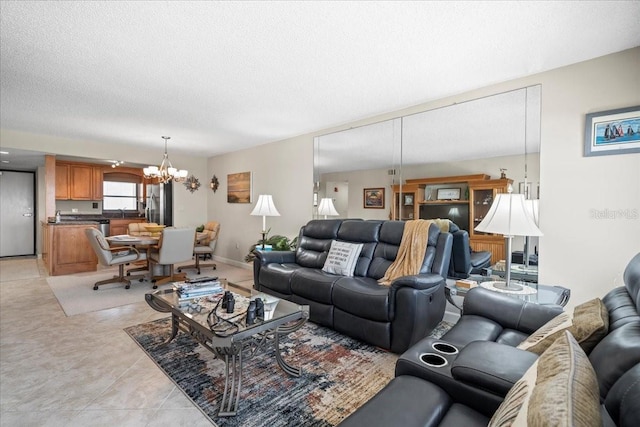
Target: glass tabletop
<point>209,313</point>
<point>518,272</point>
<point>532,292</point>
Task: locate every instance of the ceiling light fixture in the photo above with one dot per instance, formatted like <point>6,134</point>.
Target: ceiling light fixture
<point>165,172</point>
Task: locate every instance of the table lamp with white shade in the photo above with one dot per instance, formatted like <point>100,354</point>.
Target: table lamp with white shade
<point>326,208</point>
<point>509,216</point>
<point>265,207</point>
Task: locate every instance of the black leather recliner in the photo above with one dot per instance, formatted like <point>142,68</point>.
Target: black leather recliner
<point>465,261</point>
<point>472,385</point>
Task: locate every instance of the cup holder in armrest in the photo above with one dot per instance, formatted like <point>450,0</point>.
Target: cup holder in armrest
<point>432,359</point>
<point>445,348</point>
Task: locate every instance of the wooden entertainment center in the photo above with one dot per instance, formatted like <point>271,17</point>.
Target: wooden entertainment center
<point>467,198</point>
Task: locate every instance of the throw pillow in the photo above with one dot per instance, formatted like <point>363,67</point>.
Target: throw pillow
<point>588,323</point>
<point>559,389</point>
<point>342,258</point>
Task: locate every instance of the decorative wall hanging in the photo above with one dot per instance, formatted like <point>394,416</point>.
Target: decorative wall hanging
<point>612,132</point>
<point>239,187</point>
<point>214,184</point>
<point>374,198</point>
<point>192,183</point>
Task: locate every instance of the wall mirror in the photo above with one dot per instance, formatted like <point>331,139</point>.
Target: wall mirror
<point>480,136</point>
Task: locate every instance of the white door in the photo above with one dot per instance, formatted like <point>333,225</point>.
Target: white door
<point>17,213</point>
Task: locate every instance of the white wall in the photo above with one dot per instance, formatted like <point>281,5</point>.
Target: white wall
<point>578,250</point>
<point>282,169</point>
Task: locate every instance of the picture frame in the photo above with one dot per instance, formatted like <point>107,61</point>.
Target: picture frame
<point>239,187</point>
<point>448,193</point>
<point>373,198</point>
<point>612,132</point>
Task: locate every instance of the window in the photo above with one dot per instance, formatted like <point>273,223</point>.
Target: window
<point>120,195</point>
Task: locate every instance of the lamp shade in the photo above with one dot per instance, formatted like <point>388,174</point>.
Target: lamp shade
<point>326,208</point>
<point>265,208</point>
<point>534,209</point>
<point>510,216</point>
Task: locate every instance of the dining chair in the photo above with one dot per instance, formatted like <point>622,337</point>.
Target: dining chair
<point>205,246</point>
<point>138,229</point>
<point>175,245</point>
<point>109,256</point>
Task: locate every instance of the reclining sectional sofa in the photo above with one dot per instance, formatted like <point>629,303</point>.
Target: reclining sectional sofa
<point>391,317</point>
<point>475,375</point>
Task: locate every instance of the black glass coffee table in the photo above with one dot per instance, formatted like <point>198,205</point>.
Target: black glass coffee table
<point>228,335</point>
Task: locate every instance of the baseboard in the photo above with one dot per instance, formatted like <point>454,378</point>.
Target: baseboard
<point>239,264</point>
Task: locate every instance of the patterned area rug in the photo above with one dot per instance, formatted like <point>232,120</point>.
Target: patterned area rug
<point>339,375</point>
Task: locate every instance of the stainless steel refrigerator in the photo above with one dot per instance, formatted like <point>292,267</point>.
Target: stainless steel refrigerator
<point>159,204</point>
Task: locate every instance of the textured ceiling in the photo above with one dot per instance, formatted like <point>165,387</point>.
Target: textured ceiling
<point>222,76</point>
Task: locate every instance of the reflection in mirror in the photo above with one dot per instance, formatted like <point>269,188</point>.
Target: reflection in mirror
<point>489,135</point>
<point>346,162</point>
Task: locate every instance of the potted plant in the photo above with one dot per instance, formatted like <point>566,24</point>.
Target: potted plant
<point>277,242</point>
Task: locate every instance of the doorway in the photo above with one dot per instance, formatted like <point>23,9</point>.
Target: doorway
<point>17,213</point>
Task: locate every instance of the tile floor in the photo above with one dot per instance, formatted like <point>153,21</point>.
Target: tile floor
<point>82,370</point>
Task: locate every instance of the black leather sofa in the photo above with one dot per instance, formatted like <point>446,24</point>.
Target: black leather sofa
<point>391,317</point>
<point>465,261</point>
<point>474,379</point>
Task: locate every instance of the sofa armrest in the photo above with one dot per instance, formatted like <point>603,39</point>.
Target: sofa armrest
<point>269,257</point>
<point>280,257</point>
<point>509,312</point>
<point>416,306</point>
<point>491,366</point>
<point>417,281</point>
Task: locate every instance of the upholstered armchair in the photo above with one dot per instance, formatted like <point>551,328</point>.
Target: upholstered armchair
<point>109,256</point>
<point>175,245</point>
<point>139,228</point>
<point>205,246</point>
<point>465,261</point>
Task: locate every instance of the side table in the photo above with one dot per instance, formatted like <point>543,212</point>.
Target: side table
<point>538,294</point>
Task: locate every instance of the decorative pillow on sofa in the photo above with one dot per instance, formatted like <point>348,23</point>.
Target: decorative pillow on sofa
<point>559,389</point>
<point>342,258</point>
<point>588,323</point>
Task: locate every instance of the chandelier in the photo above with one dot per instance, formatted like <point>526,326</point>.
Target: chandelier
<point>166,172</point>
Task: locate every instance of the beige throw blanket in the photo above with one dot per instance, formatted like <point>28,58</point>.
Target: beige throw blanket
<point>412,249</point>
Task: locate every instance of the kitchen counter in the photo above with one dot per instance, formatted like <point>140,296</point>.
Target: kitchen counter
<point>73,223</point>
<point>65,248</point>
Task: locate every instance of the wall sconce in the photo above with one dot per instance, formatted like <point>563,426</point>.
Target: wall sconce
<point>214,184</point>
<point>192,183</point>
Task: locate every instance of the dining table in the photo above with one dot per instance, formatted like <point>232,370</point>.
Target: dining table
<point>146,243</point>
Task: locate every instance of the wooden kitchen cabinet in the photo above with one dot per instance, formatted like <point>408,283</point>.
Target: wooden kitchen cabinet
<point>81,182</point>
<point>66,249</point>
<point>97,182</point>
<point>120,226</point>
<point>62,182</point>
<point>78,181</point>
